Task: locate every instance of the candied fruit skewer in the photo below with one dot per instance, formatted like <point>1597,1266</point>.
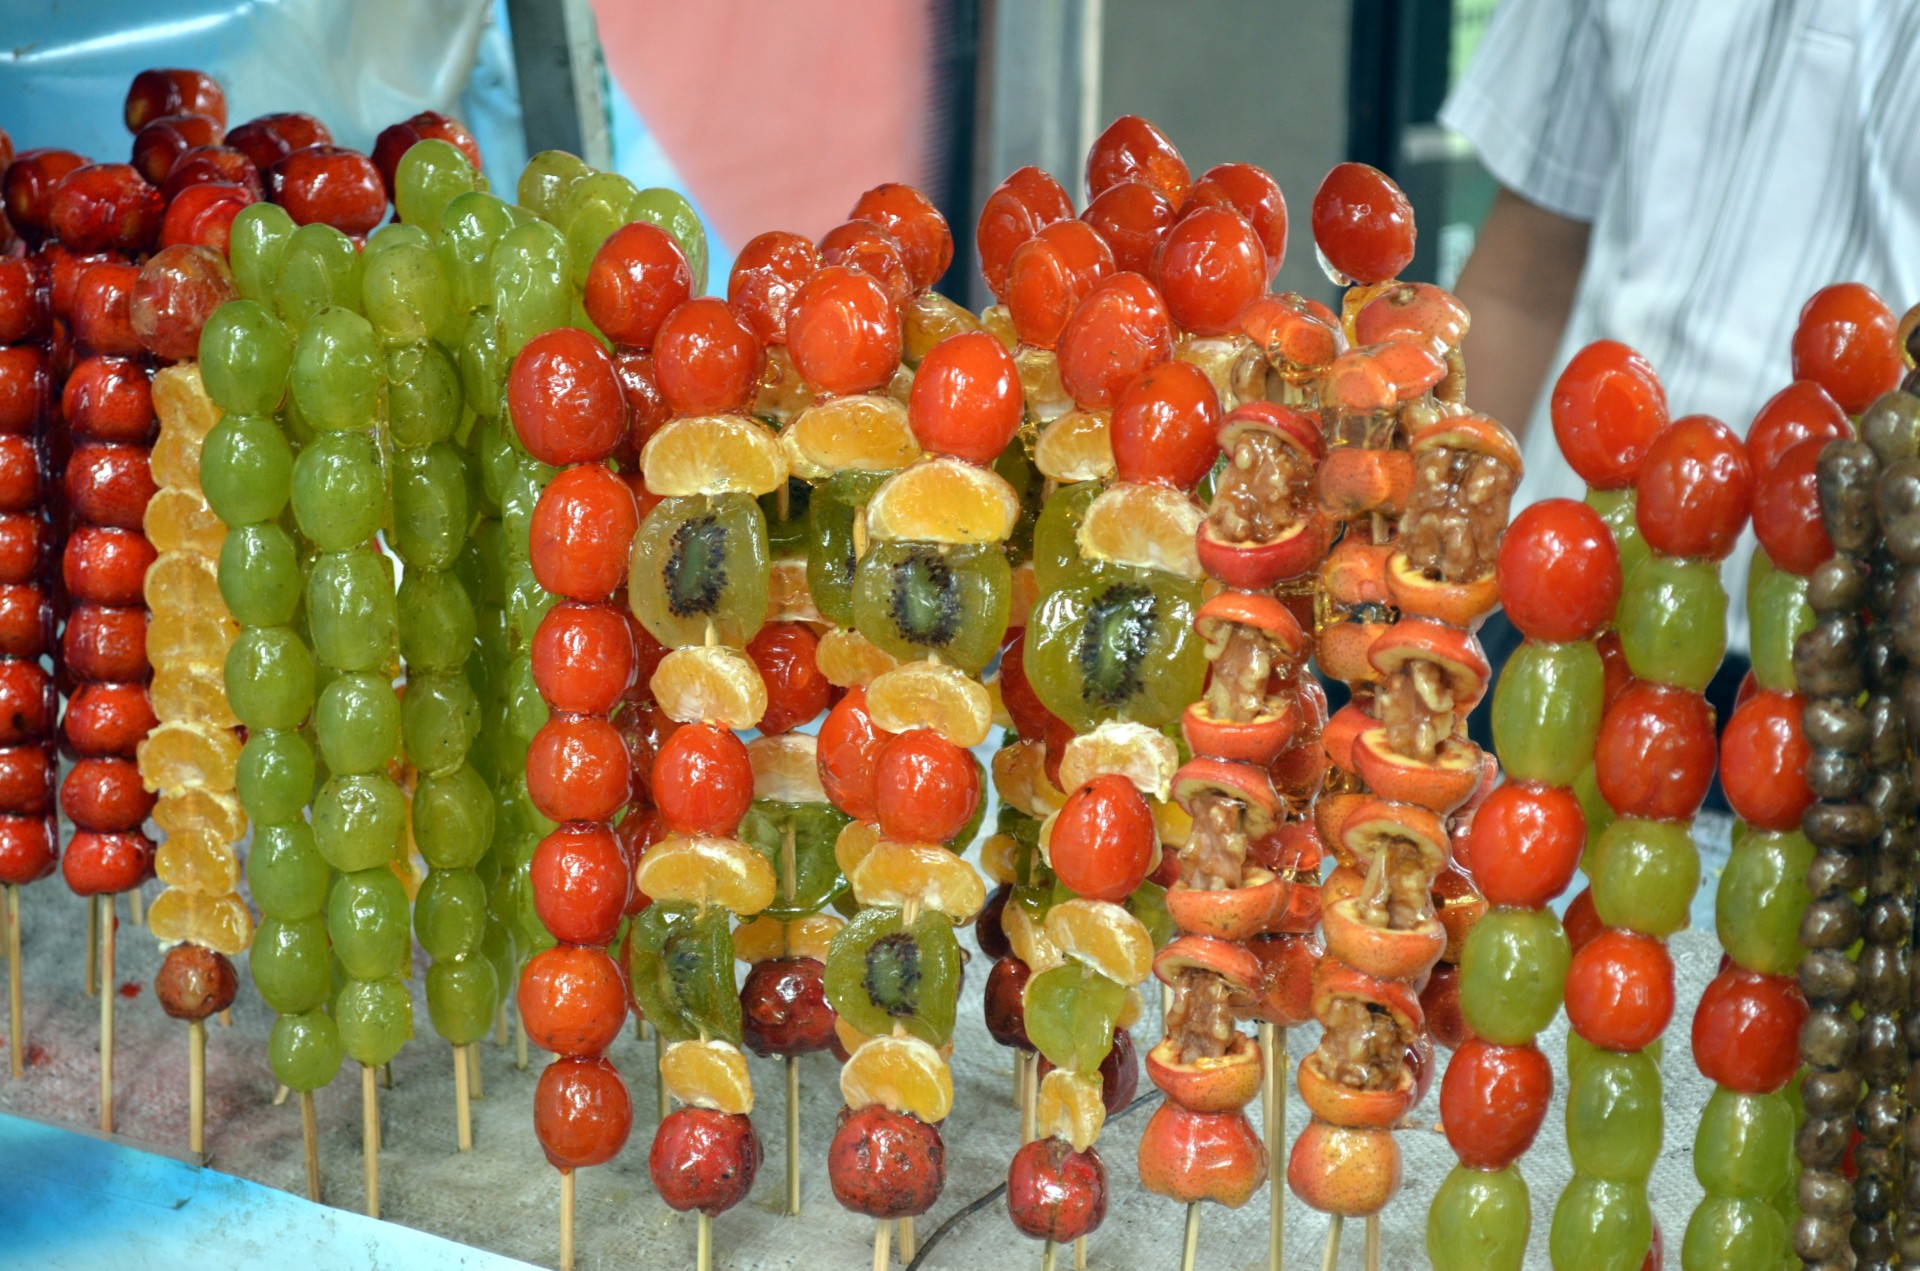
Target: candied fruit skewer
<point>408,299</point>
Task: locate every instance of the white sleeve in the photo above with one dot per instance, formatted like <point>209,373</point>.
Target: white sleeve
<point>1535,103</point>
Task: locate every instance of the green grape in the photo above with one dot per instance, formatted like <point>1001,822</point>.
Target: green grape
<point>698,562</point>
<point>406,293</point>
<point>389,236</point>
<point>1071,1013</point>
<point>1729,1233</point>
<point>670,210</point>
<point>321,268</point>
<point>286,872</point>
<point>1743,1144</point>
<point>1480,1221</point>
<point>357,723</point>
<point>450,914</point>
<point>524,486</point>
<point>470,226</point>
<point>269,678</point>
<point>339,491</point>
<point>483,362</point>
<point>429,176</point>
<point>461,997</point>
<point>440,719</point>
<point>289,964</point>
<point>256,244</point>
<point>358,821</point>
<point>788,526</point>
<point>1614,1119</point>
<point>1616,509</point>
<point>275,776</point>
<point>1777,615</point>
<point>437,621</point>
<point>526,711</point>
<point>831,561</point>
<point>496,461</point>
<point>1761,898</point>
<point>813,878</point>
<point>917,600</point>
<point>367,917</point>
<point>970,829</point>
<point>453,818</point>
<point>431,510</point>
<point>260,575</point>
<point>594,208</point>
<point>351,606</point>
<point>681,964</point>
<point>1057,561</point>
<point>1600,1226</point>
<point>881,973</point>
<point>497,948</point>
<point>1116,644</point>
<point>531,288</point>
<point>1673,621</point>
<point>1148,903</point>
<point>1513,974</point>
<point>1547,705</point>
<point>304,1048</point>
<point>547,179</point>
<point>1645,875</point>
<point>246,469</point>
<point>245,354</point>
<point>1016,468</point>
<point>336,370</point>
<point>1586,787</point>
<point>375,1019</point>
<point>423,395</point>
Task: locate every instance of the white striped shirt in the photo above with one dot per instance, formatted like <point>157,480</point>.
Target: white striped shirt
<point>1732,156</point>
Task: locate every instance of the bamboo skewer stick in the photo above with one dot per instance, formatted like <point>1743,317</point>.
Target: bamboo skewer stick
<point>659,1078</point>
<point>16,1029</point>
<point>566,1220</point>
<point>1373,1242</point>
<point>137,907</point>
<point>462,1107</point>
<point>882,1245</point>
<point>793,1136</point>
<point>906,1240</point>
<point>1046,1256</point>
<point>197,1087</point>
<point>1190,1251</point>
<point>226,1018</point>
<point>280,1094</point>
<point>370,1135</point>
<point>93,949</point>
<point>1331,1258</point>
<point>1080,1254</point>
<point>473,1073</point>
<point>104,906</point>
<point>703,1245</point>
<point>310,1138</point>
<point>1273,1109</point>
<point>1029,1096</point>
<point>519,1042</point>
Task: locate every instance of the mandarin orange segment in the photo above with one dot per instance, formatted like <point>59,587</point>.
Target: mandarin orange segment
<point>848,658</point>
<point>181,403</point>
<point>1070,1107</point>
<point>812,936</point>
<point>855,840</point>
<point>1002,717</point>
<point>708,1074</point>
<point>901,1074</point>
<point>702,870</point>
<point>1145,756</point>
<point>198,810</point>
<point>1023,593</point>
<point>788,599</point>
<point>851,1038</point>
<point>1029,939</point>
<point>175,460</point>
<point>1132,1009</point>
<point>932,695</point>
<point>1078,446</point>
<point>943,500</point>
<point>862,433</point>
<point>1020,779</point>
<point>1171,822</point>
<point>179,520</point>
<point>184,584</point>
<point>1146,526</point>
<point>928,318</point>
<point>194,638</point>
<point>1000,858</point>
<point>222,923</point>
<point>760,939</point>
<point>192,692</point>
<point>179,754</point>
<point>1046,394</point>
<point>785,768</point>
<point>713,454</point>
<point>710,684</point>
<point>782,393</point>
<point>198,863</point>
<point>1105,937</point>
<point>927,874</point>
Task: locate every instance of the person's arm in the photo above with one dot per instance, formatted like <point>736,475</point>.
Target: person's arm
<point>1518,286</point>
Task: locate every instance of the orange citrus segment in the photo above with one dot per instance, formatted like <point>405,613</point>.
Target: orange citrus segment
<point>1070,1107</point>
<point>197,862</point>
<point>856,839</point>
<point>901,1074</point>
<point>192,693</point>
<point>785,768</point>
<point>766,938</point>
<point>925,873</point>
<point>179,520</point>
<point>1105,937</point>
<point>189,637</point>
<point>928,318</point>
<point>848,658</point>
<point>710,684</point>
<point>997,320</point>
<point>178,755</point>
<point>712,454</point>
<point>1078,446</point>
<point>862,433</point>
<point>1047,396</point>
<point>931,695</point>
<point>782,394</point>
<point>788,599</point>
<point>709,1074</point>
<point>181,403</point>
<point>1130,1013</point>
<point>1020,778</point>
<point>1000,858</point>
<point>700,870</point>
<point>197,809</point>
<point>1171,823</point>
<point>222,923</point>
<point>1147,526</point>
<point>1023,593</point>
<point>1030,941</point>
<point>851,1038</point>
<point>1145,756</point>
<point>943,500</point>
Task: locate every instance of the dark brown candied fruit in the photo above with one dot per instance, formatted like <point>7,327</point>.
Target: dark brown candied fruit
<point>703,1159</point>
<point>164,91</point>
<point>886,1164</point>
<point>1200,1019</point>
<point>194,982</point>
<point>159,145</point>
<point>1055,1193</point>
<point>783,1008</point>
<point>29,184</point>
<point>267,139</point>
<point>106,207</point>
<point>1005,1004</point>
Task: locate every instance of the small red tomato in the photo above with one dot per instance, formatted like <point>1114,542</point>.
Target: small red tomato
<point>915,223</point>
<point>329,185</point>
<point>1800,410</point>
<point>581,1112</point>
<point>1119,330</point>
<point>1254,194</point>
<point>848,750</point>
<point>1695,489</point>
<point>1525,843</point>
<point>582,533</point>
<point>577,769</point>
<point>637,278</point>
<point>886,1164</point>
<point>1581,921</point>
<point>766,276</point>
<point>704,1159</point>
<point>109,485</point>
<point>1055,1193</point>
<point>572,1000</point>
<point>1558,571</point>
<point>864,246</point>
<point>1021,206</point>
<point>99,864</point>
<point>787,655</point>
<point>583,658</point>
<point>1607,407</point>
<point>1654,756</point>
<point>1847,342</point>
<point>1103,839</point>
<point>1362,223</point>
<point>966,399</point>
<point>1440,1003</point>
<point>703,780</point>
<point>429,125</point>
<point>1620,990</point>
<point>565,400</point>
<point>783,1008</point>
<point>705,359</point>
<point>267,139</point>
<point>1613,664</point>
<point>1029,714</point>
<point>103,643</point>
<point>105,795</point>
<point>1049,275</point>
<point>1132,218</point>
<point>1210,267</point>
<point>647,407</point>
<point>26,849</point>
<point>157,92</point>
<point>1746,1032</point>
<point>1763,762</point>
<point>580,881</point>
<point>1164,425</point>
<point>107,207</point>
<point>1133,149</point>
<point>925,787</point>
<point>843,331</point>
<point>1786,510</point>
<point>1493,1101</point>
<point>102,719</point>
